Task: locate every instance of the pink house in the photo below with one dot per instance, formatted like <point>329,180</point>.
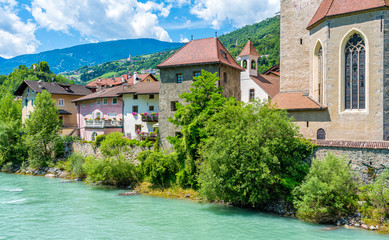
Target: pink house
<point>100,113</point>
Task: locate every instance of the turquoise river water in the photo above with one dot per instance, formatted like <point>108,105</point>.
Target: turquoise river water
<point>42,208</point>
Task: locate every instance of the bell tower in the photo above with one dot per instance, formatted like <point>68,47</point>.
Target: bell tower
<point>249,60</point>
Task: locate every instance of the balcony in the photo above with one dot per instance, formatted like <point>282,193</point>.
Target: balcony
<point>143,135</point>
<point>150,118</point>
<point>103,124</point>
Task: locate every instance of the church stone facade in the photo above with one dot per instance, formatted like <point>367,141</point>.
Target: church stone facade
<point>336,53</point>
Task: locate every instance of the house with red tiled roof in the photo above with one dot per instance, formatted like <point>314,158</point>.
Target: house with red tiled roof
<point>63,94</point>
<point>334,63</point>
<point>177,74</point>
<point>124,79</point>
<point>253,85</point>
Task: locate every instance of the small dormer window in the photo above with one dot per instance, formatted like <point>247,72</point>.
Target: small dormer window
<point>224,54</point>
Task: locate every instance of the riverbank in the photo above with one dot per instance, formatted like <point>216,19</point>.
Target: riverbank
<point>279,208</point>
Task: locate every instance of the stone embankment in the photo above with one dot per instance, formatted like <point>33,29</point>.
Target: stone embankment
<point>48,172</point>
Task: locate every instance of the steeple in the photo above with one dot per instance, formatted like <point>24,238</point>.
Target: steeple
<point>249,59</point>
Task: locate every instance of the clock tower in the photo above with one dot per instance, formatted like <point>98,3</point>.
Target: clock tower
<point>295,18</point>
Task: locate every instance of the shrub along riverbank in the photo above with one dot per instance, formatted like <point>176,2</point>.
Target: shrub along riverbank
<point>248,155</point>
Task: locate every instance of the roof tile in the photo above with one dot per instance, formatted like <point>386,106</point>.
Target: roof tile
<point>330,8</point>
<point>201,51</point>
<point>249,49</point>
<point>295,101</point>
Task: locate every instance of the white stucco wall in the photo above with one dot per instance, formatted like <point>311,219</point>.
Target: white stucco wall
<point>246,85</point>
<point>143,102</point>
<point>30,95</point>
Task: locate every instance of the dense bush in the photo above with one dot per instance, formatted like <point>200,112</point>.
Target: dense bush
<point>159,168</point>
<point>328,192</point>
<point>114,144</point>
<point>253,155</point>
<point>75,165</point>
<point>99,139</point>
<point>110,171</point>
<point>376,198</point>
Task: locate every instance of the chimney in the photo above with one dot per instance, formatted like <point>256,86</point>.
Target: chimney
<point>40,83</point>
<point>123,80</point>
<point>99,79</point>
<point>135,77</point>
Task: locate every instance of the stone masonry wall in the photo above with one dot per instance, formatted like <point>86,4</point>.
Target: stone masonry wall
<point>360,160</point>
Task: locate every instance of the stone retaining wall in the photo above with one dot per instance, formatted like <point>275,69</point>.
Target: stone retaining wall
<point>88,149</point>
<point>365,162</point>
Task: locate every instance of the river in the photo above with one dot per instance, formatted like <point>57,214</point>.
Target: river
<point>41,208</point>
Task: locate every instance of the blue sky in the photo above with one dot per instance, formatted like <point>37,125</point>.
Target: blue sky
<point>40,25</point>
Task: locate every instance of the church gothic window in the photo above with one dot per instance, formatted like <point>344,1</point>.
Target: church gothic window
<point>320,74</point>
<point>355,67</point>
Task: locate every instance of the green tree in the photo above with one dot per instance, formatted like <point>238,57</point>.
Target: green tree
<point>203,101</point>
<point>42,130</point>
<point>254,154</point>
<point>12,148</point>
<point>44,67</point>
<point>328,193</point>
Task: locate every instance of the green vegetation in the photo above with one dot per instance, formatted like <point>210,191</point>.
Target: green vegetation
<point>264,35</point>
<point>328,192</point>
<point>35,72</point>
<point>75,165</point>
<point>375,199</point>
<point>12,147</point>
<point>159,168</point>
<point>42,131</point>
<point>203,100</point>
<point>254,154</point>
<point>115,167</point>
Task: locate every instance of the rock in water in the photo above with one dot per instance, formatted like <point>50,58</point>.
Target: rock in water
<point>66,181</point>
<point>128,193</point>
<point>50,175</point>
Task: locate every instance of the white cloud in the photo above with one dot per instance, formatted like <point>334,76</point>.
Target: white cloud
<point>16,37</point>
<point>238,12</point>
<point>102,19</point>
<point>183,39</point>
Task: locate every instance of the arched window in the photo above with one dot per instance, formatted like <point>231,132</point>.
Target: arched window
<point>355,67</point>
<point>253,65</point>
<point>245,64</point>
<point>320,75</point>
<point>321,134</point>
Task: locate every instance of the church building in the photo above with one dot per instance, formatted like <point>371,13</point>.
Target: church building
<point>335,68</point>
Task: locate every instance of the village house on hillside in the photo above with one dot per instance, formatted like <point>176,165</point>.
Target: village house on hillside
<point>334,68</point>
<point>124,79</point>
<point>100,113</point>
<point>253,85</point>
<point>63,95</point>
<point>177,74</point>
<point>141,110</point>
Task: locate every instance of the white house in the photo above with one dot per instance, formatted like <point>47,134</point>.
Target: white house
<point>140,110</point>
<point>253,85</point>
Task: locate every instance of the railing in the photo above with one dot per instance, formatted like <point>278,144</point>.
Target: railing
<point>150,118</point>
<point>102,123</point>
<point>144,135</point>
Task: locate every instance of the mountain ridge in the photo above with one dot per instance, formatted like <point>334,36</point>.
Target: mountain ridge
<point>70,58</point>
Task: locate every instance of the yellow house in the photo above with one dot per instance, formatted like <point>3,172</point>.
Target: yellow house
<point>63,95</point>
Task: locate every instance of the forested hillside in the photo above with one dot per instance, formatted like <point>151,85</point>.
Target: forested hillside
<point>265,36</point>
